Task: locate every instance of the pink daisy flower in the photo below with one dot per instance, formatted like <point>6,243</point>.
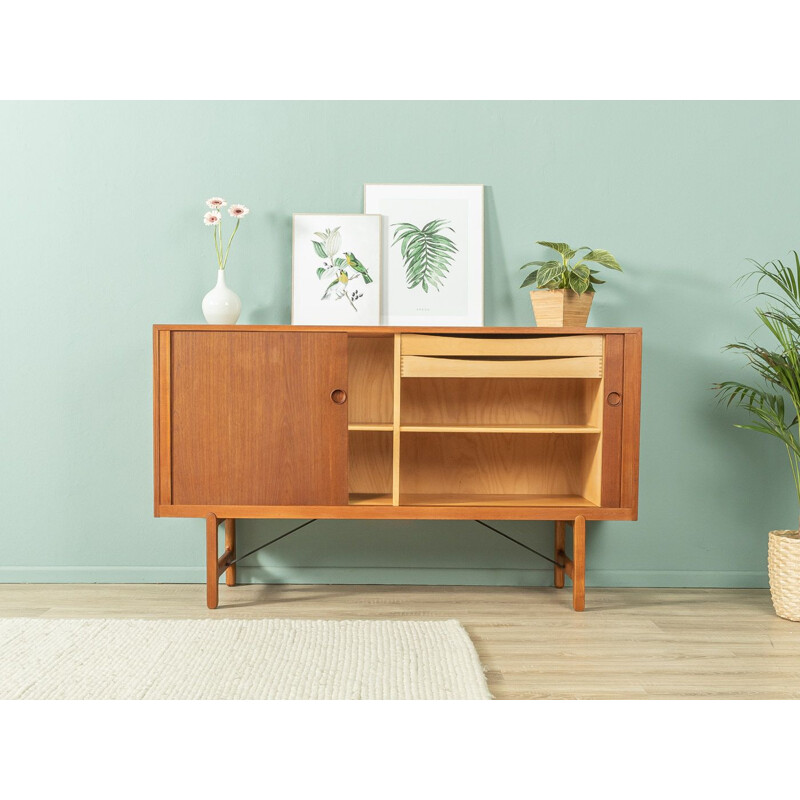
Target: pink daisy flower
<point>216,202</point>
<point>212,217</point>
<point>238,211</point>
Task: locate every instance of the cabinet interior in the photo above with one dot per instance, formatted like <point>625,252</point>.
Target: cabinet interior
<point>477,438</point>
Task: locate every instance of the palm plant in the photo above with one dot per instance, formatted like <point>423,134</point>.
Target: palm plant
<point>778,366</point>
<point>427,252</point>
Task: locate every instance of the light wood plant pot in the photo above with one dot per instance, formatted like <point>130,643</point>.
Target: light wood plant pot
<point>561,308</point>
<point>783,560</point>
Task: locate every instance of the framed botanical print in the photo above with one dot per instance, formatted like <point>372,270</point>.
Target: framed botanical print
<point>336,269</point>
<point>432,252</point>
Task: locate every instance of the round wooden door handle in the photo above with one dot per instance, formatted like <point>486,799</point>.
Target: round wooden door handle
<point>339,396</point>
<point>614,398</point>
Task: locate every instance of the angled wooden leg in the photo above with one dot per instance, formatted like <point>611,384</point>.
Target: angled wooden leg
<point>230,548</point>
<point>212,575</point>
<point>558,572</point>
<point>579,563</point>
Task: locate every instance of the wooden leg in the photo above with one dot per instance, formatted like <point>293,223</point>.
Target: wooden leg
<point>579,564</point>
<point>212,574</point>
<point>558,572</point>
<point>230,547</point>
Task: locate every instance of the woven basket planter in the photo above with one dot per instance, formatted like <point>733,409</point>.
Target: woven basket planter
<point>784,573</point>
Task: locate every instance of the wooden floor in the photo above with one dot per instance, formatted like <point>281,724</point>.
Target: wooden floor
<point>628,644</point>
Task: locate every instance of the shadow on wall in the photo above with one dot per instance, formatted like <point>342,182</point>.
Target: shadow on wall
<point>273,281</point>
<point>498,292</point>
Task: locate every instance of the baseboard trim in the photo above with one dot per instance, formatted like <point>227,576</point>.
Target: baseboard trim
<point>432,576</point>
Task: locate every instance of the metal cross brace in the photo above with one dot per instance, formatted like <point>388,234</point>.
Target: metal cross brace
<point>293,530</point>
<point>272,541</point>
<point>511,539</point>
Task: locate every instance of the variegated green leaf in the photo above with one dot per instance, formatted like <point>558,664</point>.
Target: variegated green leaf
<point>579,279</point>
<point>534,264</point>
<point>550,277</point>
<point>560,247</point>
<point>602,257</point>
<point>530,279</point>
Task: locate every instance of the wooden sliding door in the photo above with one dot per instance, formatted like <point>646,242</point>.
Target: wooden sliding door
<point>257,418</point>
<point>621,399</point>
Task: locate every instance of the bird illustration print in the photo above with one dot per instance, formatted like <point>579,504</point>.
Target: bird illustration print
<point>353,262</point>
<point>341,271</point>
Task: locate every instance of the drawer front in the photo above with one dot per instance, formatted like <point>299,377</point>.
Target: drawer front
<point>443,367</point>
<point>414,344</point>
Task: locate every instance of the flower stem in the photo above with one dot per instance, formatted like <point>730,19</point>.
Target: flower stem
<point>225,262</point>
<point>216,246</point>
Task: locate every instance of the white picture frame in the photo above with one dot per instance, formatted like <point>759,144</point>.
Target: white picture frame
<point>446,290</point>
<point>336,281</point>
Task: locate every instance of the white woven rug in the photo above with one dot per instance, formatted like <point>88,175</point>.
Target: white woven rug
<point>225,659</point>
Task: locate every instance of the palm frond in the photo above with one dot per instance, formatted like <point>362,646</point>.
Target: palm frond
<point>427,253</point>
<point>778,365</point>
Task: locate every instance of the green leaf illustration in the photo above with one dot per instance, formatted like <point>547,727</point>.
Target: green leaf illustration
<point>319,249</point>
<point>427,253</point>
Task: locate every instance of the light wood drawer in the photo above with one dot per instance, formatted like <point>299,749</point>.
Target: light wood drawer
<point>437,367</point>
<point>415,344</point>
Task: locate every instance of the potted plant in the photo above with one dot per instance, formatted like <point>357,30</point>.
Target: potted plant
<point>564,291</point>
<point>777,365</point>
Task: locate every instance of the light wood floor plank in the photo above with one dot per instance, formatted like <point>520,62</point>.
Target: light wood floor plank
<point>628,644</point>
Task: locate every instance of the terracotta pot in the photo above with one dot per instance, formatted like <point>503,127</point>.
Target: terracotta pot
<point>783,559</point>
<point>561,308</point>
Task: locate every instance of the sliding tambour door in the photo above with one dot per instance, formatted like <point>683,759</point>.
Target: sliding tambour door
<point>258,418</point>
<point>621,408</point>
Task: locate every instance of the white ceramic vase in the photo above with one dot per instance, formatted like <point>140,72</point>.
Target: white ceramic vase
<point>221,306</point>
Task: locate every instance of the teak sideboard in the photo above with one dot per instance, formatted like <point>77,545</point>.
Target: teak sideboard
<point>396,423</point>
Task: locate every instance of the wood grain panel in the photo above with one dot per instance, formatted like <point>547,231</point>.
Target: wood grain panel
<point>164,436</point>
<point>494,464</point>
<point>482,345</point>
<point>612,421</point>
<point>507,428</point>
<point>438,367</point>
<point>388,511</point>
<point>370,374</point>
<point>253,422</point>
<point>370,466</point>
<point>513,401</point>
<point>384,330</point>
<point>631,421</point>
<point>500,500</point>
<point>396,415</point>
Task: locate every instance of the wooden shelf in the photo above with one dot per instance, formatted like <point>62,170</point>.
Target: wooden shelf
<point>500,428</point>
<point>371,499</point>
<point>537,500</point>
<point>369,426</point>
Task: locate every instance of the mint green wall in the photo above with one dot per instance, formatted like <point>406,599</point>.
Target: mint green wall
<point>102,236</point>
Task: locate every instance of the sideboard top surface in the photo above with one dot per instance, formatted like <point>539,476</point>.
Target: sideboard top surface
<point>364,330</point>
